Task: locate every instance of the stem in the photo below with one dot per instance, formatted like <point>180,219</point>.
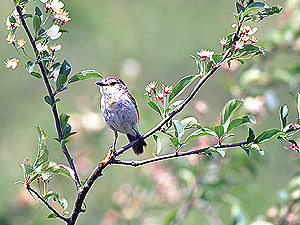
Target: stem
<point>84,191</point>
<point>30,190</point>
<point>54,109</point>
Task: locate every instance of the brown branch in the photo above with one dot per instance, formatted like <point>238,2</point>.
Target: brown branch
<point>192,94</point>
<point>87,186</point>
<point>173,155</point>
<point>54,108</point>
<point>110,157</point>
<point>31,190</point>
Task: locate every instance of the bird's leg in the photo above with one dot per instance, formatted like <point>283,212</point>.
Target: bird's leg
<point>115,142</point>
<point>137,133</point>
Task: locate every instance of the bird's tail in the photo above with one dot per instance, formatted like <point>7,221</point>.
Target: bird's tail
<point>138,147</point>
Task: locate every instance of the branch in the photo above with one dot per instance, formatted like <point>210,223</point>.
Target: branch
<point>87,186</point>
<point>30,190</point>
<point>192,94</point>
<point>173,155</point>
<point>54,108</point>
<point>110,157</point>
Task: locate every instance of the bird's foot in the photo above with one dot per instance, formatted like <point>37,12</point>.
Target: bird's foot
<point>110,155</point>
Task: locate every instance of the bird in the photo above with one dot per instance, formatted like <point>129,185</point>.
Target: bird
<point>120,111</point>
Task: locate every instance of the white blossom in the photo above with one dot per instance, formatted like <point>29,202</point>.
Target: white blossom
<point>53,32</point>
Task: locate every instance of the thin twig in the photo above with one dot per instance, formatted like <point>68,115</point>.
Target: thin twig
<point>31,190</point>
<point>54,108</point>
<point>173,155</point>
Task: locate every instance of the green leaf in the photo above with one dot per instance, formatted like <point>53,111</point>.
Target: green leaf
<point>12,19</point>
<point>43,153</point>
<point>64,142</point>
<point>154,106</point>
<point>60,81</point>
<point>158,144</point>
<point>253,147</point>
<point>199,65</point>
<point>53,167</point>
<point>50,194</point>
<point>48,100</point>
<point>174,141</point>
<point>54,66</point>
<point>13,31</point>
<point>229,109</point>
<point>271,11</point>
<point>181,86</point>
<point>30,66</point>
<point>296,97</point>
<point>49,166</point>
<point>221,152</point>
<point>217,58</point>
<point>267,135</point>
<point>239,121</point>
<point>69,134</point>
<point>65,171</point>
<point>63,203</point>
<point>241,61</point>
<point>208,152</point>
<point>67,129</point>
<point>239,7</point>
<point>28,166</point>
<point>86,74</point>
<point>36,74</point>
<point>283,112</point>
<point>251,136</point>
<point>208,66</point>
<point>190,122</point>
<point>219,130</point>
<point>251,7</point>
<point>51,216</point>
<point>175,104</point>
<point>56,100</point>
<point>63,121</point>
<point>36,23</point>
<point>65,68</point>
<point>33,177</point>
<point>199,133</point>
<point>179,129</point>
<point>38,11</point>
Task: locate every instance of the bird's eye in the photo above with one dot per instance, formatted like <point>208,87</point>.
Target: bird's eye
<point>113,83</point>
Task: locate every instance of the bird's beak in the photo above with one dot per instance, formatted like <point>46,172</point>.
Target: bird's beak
<point>100,84</point>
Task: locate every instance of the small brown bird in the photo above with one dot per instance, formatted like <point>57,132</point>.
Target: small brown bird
<point>120,111</point>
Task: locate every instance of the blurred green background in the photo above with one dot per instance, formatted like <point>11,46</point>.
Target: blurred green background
<point>140,41</point>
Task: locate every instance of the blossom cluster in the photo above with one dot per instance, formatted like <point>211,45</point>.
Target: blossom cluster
<point>13,21</point>
<point>54,9</point>
<point>203,54</point>
<point>160,96</point>
<point>246,36</point>
<point>151,89</point>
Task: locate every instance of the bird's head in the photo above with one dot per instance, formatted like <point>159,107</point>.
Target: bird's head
<point>111,85</point>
